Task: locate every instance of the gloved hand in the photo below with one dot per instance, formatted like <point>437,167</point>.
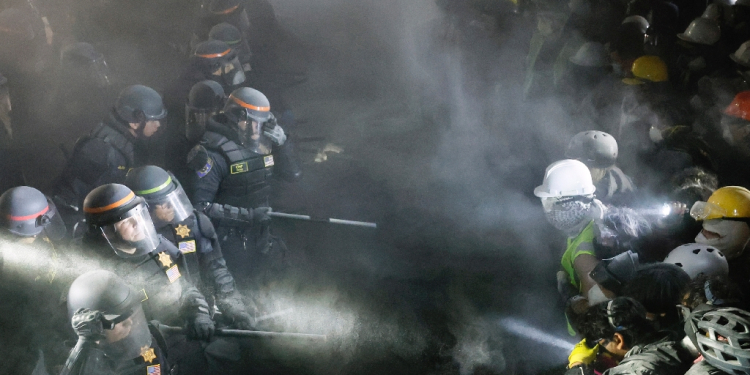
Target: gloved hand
<point>580,370</point>
<point>272,130</point>
<point>201,327</point>
<point>87,324</point>
<point>234,310</point>
<point>260,215</point>
<point>582,354</point>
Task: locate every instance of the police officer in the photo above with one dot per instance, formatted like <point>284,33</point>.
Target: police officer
<point>242,149</point>
<point>234,39</point>
<point>27,216</point>
<point>111,149</point>
<point>120,231</point>
<point>193,234</point>
<point>113,334</point>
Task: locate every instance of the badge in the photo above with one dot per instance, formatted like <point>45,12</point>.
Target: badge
<point>173,274</point>
<point>206,168</point>
<point>153,370</point>
<point>165,259</point>
<point>121,167</point>
<point>182,231</point>
<point>187,247</point>
<point>148,354</point>
<point>268,161</point>
<point>238,168</point>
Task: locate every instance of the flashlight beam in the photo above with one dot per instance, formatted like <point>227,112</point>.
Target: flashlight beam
<point>274,315</point>
<point>241,333</point>
<point>523,329</point>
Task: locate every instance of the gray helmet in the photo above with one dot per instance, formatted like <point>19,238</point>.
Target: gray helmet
<point>246,103</point>
<point>167,201</point>
<point>207,95</point>
<point>594,148</point>
<point>107,293</point>
<point>723,338</point>
<point>24,211</point>
<point>615,272</point>
<point>225,33</point>
<point>698,259</point>
<point>139,103</point>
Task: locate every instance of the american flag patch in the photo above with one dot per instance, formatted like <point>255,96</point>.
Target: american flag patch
<point>268,160</point>
<point>187,246</point>
<point>153,370</point>
<point>173,274</point>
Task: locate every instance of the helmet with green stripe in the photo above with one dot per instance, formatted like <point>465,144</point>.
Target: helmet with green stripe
<point>122,218</point>
<point>167,201</point>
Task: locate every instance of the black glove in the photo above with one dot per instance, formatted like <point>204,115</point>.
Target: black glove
<point>201,327</point>
<point>88,324</point>
<point>236,313</point>
<point>260,215</point>
<point>236,216</point>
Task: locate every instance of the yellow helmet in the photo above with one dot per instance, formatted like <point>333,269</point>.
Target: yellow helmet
<point>647,68</point>
<point>727,202</point>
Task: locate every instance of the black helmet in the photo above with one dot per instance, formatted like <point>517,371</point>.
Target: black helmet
<point>206,98</point>
<point>24,211</point>
<point>139,103</point>
<point>167,201</point>
<point>107,293</point>
<point>246,103</point>
<point>615,272</point>
<point>226,33</point>
<point>723,336</point>
<point>217,61</point>
<point>81,59</point>
<point>594,148</point>
<point>122,218</point>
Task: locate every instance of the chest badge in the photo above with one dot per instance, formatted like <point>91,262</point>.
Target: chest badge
<point>165,259</point>
<point>268,161</point>
<point>153,370</point>
<point>148,354</point>
<point>187,247</point>
<point>173,274</point>
<point>238,168</point>
<point>182,231</point>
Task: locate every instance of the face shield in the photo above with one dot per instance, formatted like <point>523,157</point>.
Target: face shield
<point>126,335</point>
<point>229,72</point>
<point>134,235</point>
<point>54,227</point>
<point>100,72</point>
<point>5,110</point>
<point>195,122</point>
<point>251,135</point>
<point>172,208</point>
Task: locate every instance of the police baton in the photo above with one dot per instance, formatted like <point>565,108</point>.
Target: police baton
<point>241,333</point>
<point>282,215</point>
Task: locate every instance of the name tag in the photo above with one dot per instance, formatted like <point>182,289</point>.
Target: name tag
<point>187,247</point>
<point>268,161</point>
<point>238,168</point>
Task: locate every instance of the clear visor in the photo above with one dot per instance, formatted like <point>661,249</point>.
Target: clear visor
<point>230,72</point>
<point>100,72</point>
<point>134,235</point>
<point>173,208</point>
<point>54,228</point>
<point>128,338</point>
<point>705,210</point>
<point>195,122</point>
<point>5,109</point>
<point>251,135</point>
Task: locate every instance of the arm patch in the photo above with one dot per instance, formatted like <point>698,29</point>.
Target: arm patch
<point>199,161</point>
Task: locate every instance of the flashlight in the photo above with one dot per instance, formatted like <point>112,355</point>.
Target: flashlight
<point>666,209</point>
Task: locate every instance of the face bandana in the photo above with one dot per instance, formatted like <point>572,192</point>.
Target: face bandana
<point>733,236</point>
<point>567,215</point>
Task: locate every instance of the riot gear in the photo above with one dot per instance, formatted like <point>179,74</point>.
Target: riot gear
<point>251,113</point>
<point>123,220</point>
<point>105,292</point>
<point>82,61</point>
<point>167,201</point>
<point>218,62</point>
<point>138,103</point>
<point>205,99</point>
<point>26,212</point>
<point>232,36</point>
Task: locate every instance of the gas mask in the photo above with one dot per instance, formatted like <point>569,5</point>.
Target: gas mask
<point>229,73</point>
<point>733,236</point>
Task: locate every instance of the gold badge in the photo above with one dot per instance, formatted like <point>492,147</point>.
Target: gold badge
<point>148,354</point>
<point>165,259</point>
<point>182,231</point>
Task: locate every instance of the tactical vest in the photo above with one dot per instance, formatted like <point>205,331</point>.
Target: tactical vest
<point>117,140</point>
<point>248,182</point>
<point>186,236</point>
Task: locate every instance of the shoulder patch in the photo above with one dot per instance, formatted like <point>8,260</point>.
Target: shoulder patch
<point>199,160</point>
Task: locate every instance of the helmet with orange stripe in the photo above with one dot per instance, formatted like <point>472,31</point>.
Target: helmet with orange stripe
<point>249,109</point>
<point>218,62</point>
<point>25,212</point>
<point>122,218</point>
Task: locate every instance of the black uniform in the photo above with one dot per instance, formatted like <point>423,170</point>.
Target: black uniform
<point>234,176</point>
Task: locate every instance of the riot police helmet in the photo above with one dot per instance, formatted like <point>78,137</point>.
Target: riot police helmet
<point>249,109</point>
<point>26,212</point>
<point>138,103</point>
<point>206,98</point>
<point>167,201</point>
<point>226,33</point>
<point>125,327</point>
<point>122,218</point>
<point>217,61</point>
<point>82,60</point>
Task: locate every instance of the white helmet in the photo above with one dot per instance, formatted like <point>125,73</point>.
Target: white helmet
<point>565,178</point>
<point>698,259</point>
<point>640,20</point>
<point>742,55</point>
<point>591,54</point>
<point>702,31</point>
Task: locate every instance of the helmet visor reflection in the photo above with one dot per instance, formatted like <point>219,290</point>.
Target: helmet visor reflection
<point>706,210</point>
